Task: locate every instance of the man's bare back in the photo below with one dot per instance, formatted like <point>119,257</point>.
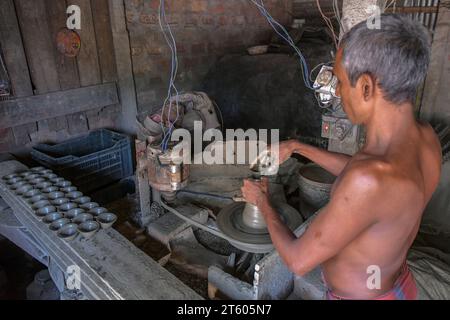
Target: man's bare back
<point>379,197</point>
<point>406,171</point>
<point>375,208</point>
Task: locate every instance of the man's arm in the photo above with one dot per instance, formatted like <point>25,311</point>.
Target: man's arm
<point>349,213</point>
<point>330,161</point>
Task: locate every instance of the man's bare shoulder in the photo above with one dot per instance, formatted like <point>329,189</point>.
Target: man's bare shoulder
<point>367,172</point>
<point>363,177</point>
<point>431,139</point>
<point>379,184</point>
<point>358,191</point>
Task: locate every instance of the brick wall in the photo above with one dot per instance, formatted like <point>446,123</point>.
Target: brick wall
<point>204,31</point>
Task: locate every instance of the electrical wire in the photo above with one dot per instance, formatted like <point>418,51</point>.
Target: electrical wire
<point>221,115</point>
<point>328,23</point>
<point>172,92</point>
<point>170,39</point>
<point>386,5</point>
<point>282,32</point>
<point>337,13</point>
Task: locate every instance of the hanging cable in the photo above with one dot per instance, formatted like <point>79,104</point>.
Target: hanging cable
<point>337,13</point>
<point>328,23</point>
<point>170,39</point>
<point>282,32</point>
<point>386,5</point>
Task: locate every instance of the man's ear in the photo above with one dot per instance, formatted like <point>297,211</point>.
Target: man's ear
<point>367,86</point>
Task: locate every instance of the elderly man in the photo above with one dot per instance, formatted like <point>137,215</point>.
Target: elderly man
<point>379,197</point>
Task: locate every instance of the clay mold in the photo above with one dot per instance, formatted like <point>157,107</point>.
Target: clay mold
<point>67,206</point>
<point>52,217</point>
<point>63,184</point>
<point>37,198</point>
<point>24,189</point>
<point>88,229</point>
<point>83,217</point>
<point>97,211</point>
<point>82,200</point>
<point>32,193</point>
<point>17,185</point>
<point>74,195</point>
<point>44,211</point>
<point>69,189</point>
<point>68,232</point>
<point>106,220</point>
<point>60,201</point>
<point>90,205</point>
<point>56,195</point>
<point>73,213</point>
<point>40,204</point>
<point>58,224</point>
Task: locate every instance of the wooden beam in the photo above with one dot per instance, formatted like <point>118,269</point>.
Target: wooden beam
<point>413,10</point>
<point>66,67</point>
<point>39,47</point>
<point>13,51</point>
<point>88,67</point>
<point>31,109</point>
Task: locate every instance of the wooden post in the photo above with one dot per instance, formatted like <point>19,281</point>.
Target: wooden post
<point>142,184</point>
<point>127,90</point>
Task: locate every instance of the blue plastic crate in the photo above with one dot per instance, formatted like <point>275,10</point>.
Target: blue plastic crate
<point>91,161</point>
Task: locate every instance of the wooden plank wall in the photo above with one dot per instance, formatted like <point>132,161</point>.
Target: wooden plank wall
<point>11,43</point>
<point>28,30</point>
<point>436,98</point>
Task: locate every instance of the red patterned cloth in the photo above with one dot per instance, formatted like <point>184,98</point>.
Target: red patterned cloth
<point>404,288</point>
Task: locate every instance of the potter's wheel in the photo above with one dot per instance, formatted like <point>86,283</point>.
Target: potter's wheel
<point>244,223</point>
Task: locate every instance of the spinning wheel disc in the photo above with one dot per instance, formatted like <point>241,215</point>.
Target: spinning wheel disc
<point>256,240</point>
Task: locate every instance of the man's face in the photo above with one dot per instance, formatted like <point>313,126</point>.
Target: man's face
<point>352,98</point>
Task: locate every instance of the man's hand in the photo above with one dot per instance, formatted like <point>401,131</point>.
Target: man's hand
<point>256,192</point>
<point>285,150</point>
<point>334,163</point>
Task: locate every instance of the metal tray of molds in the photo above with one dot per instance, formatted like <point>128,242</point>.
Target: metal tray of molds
<point>59,204</point>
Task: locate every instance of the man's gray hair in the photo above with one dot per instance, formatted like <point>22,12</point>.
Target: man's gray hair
<point>397,56</point>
